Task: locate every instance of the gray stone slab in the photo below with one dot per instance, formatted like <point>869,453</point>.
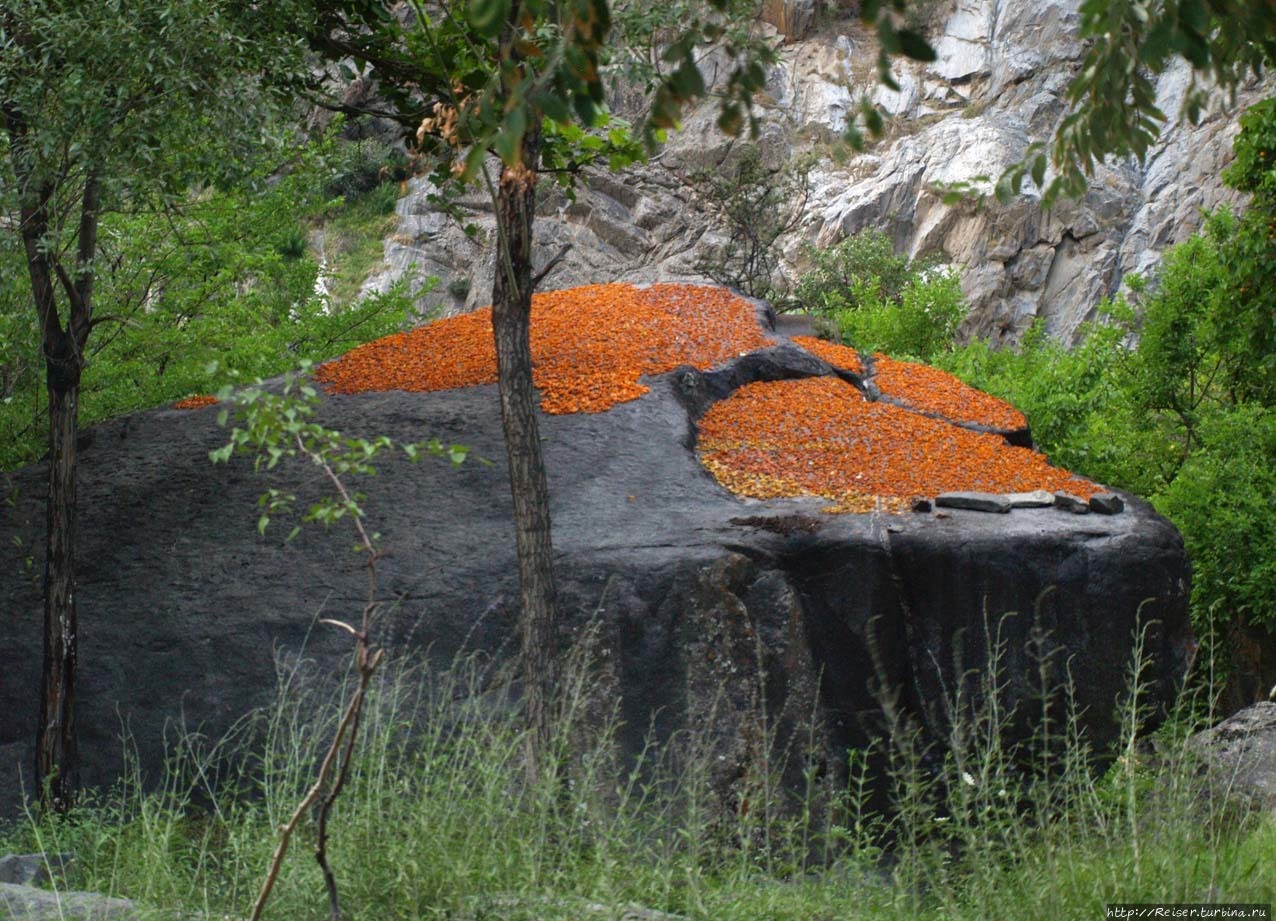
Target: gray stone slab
<point>25,903</point>
<point>1038,498</point>
<point>1070,503</point>
<point>33,869</point>
<point>974,501</point>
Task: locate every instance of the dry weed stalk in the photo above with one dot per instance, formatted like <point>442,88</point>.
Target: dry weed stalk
<point>366,659</point>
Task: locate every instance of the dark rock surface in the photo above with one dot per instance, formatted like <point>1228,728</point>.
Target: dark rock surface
<point>1070,503</point>
<point>1107,503</point>
<point>183,606</point>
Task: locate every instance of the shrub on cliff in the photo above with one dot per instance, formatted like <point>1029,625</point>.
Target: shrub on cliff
<point>881,301</point>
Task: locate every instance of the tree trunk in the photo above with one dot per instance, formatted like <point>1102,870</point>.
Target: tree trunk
<point>511,324</point>
<point>57,769</point>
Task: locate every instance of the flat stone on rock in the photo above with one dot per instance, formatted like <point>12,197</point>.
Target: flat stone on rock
<point>1070,503</point>
<point>1106,503</point>
<point>974,501</point>
<point>1038,498</point>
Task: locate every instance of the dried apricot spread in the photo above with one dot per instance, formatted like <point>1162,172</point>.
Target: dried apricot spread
<point>590,345</point>
<point>814,437</point>
<point>196,402</point>
<point>930,390</point>
<point>839,356</point>
<point>820,437</point>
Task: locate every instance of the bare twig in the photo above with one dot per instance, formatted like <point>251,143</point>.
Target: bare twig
<point>550,266</point>
<point>341,750</point>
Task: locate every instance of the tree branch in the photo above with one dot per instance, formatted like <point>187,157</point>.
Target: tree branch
<point>550,266</point>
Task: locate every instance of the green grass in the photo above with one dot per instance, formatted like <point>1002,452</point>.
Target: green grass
<point>438,822</point>
<point>354,239</point>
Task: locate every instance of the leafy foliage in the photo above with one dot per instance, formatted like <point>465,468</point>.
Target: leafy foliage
<point>218,279</point>
<point>878,300</point>
<point>273,427</point>
<point>1221,501</point>
<point>364,165</point>
<point>863,263</point>
<point>1073,398</point>
<point>1113,97</point>
<point>919,324</point>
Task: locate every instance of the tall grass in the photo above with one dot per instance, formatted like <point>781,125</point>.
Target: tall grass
<point>438,821</point>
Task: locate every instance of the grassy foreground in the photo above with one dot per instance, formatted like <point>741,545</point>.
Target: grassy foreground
<point>438,822</point>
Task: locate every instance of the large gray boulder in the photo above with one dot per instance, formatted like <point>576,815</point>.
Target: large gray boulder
<point>715,614</point>
<point>1240,757</point>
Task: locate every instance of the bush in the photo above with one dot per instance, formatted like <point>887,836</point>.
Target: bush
<point>1221,501</point>
<point>858,268</point>
<point>878,300</point>
<point>1074,399</point>
<point>359,167</point>
<point>920,324</point>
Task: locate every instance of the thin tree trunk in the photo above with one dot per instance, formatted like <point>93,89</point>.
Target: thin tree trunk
<point>511,323</point>
<point>56,763</point>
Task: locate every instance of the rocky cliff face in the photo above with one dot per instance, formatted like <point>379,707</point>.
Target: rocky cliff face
<point>996,87</point>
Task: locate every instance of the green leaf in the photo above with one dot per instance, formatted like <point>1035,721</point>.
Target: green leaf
<point>687,81</point>
<point>487,16</point>
<point>914,46</point>
<point>730,120</point>
<point>553,106</point>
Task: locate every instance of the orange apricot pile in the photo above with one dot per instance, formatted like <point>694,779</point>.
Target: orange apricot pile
<point>196,402</point>
<point>821,437</point>
<point>590,345</point>
<point>930,390</point>
<point>818,436</point>
<point>839,356</point>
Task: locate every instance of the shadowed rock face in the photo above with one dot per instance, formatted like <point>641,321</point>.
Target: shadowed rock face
<point>184,606</point>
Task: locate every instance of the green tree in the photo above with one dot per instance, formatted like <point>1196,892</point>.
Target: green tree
<point>105,106</point>
<point>520,81</point>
